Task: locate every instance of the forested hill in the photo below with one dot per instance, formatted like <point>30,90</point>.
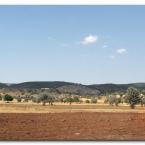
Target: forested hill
<point>75,88</point>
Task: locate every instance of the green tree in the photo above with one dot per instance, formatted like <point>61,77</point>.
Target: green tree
<point>8,98</point>
<point>69,100</point>
<point>76,99</point>
<point>133,97</point>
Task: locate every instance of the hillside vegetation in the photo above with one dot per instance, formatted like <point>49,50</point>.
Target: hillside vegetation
<point>75,88</point>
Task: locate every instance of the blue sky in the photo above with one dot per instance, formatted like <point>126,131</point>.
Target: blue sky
<point>82,44</point>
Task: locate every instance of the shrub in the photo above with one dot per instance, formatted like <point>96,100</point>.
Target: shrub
<point>76,99</point>
<point>19,99</point>
<point>106,101</point>
<point>36,100</point>
<point>47,98</point>
<point>69,100</point>
<point>1,98</point>
<point>26,100</point>
<point>111,99</point>
<point>51,99</point>
<point>94,100</point>
<point>87,101</point>
<point>8,98</point>
<point>44,99</point>
<point>117,101</point>
<point>142,101</point>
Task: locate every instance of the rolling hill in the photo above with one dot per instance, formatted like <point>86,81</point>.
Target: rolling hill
<point>74,88</point>
<point>2,85</point>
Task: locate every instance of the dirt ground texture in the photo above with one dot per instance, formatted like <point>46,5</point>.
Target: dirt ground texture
<point>72,126</point>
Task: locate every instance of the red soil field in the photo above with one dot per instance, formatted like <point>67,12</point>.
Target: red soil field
<point>72,126</point>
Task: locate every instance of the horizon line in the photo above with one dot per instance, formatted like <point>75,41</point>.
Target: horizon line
<point>73,82</point>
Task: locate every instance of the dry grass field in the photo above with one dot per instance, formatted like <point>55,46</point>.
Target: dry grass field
<point>30,107</point>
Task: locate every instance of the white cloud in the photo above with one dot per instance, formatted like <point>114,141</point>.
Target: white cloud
<point>121,51</point>
<point>90,39</point>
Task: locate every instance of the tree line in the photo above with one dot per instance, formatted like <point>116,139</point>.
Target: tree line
<point>132,97</point>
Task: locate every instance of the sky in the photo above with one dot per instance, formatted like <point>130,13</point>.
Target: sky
<point>81,44</point>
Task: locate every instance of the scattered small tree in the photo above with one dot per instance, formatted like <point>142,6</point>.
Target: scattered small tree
<point>8,98</point>
<point>50,99</point>
<point>26,100</point>
<point>61,100</point>
<point>19,99</point>
<point>143,92</point>
<point>44,99</point>
<point>36,100</point>
<point>142,101</point>
<point>94,100</point>
<point>76,99</point>
<point>106,101</point>
<point>87,101</point>
<point>69,100</point>
<point>133,97</point>
<point>117,101</point>
<point>1,98</point>
<point>111,99</point>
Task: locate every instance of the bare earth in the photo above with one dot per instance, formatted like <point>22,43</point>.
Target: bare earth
<point>72,126</point>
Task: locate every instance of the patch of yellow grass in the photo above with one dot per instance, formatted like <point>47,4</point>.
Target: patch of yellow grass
<point>30,107</point>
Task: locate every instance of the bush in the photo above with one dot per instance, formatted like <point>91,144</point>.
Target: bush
<point>8,98</point>
<point>76,99</point>
<point>44,99</point>
<point>19,99</point>
<point>26,100</point>
<point>1,98</point>
<point>143,101</point>
<point>112,100</point>
<point>106,101</point>
<point>117,101</point>
<point>51,99</point>
<point>94,100</point>
<point>87,101</point>
<point>47,98</point>
<point>69,100</point>
<point>36,100</point>
<point>143,92</point>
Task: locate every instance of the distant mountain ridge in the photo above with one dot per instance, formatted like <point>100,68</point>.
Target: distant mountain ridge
<point>109,88</point>
<point>80,89</point>
<point>3,85</point>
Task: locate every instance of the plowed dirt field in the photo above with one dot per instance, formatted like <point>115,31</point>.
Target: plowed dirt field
<point>72,126</point>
